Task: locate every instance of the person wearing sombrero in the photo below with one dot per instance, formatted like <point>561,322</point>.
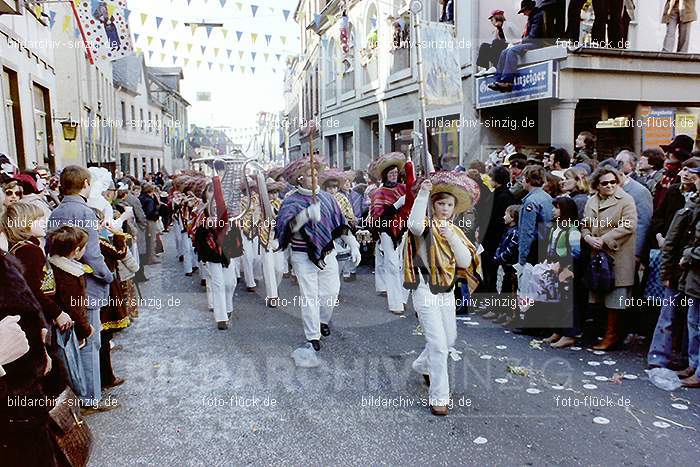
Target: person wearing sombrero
<point>309,221</point>
<point>436,255</point>
<point>388,213</point>
<point>272,258</point>
<point>331,180</point>
<point>250,262</point>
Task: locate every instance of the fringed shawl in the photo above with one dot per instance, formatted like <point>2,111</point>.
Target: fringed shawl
<point>443,268</point>
<point>393,224</point>
<point>318,236</point>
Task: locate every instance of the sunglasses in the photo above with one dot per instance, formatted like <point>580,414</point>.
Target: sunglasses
<point>610,182</point>
<point>13,192</point>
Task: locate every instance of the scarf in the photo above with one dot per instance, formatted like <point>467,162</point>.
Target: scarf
<point>266,228</point>
<point>443,269</point>
<point>318,236</point>
<point>345,206</point>
<point>71,266</point>
<point>383,198</point>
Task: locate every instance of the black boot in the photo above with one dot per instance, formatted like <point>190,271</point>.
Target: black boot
<point>325,330</point>
<point>316,344</point>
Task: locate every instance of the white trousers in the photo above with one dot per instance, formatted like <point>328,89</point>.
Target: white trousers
<point>177,226</point>
<point>251,261</point>
<point>397,295</point>
<point>272,263</point>
<point>190,257</point>
<point>683,35</point>
<point>379,271</point>
<point>318,291</point>
<point>437,317</point>
<point>222,282</point>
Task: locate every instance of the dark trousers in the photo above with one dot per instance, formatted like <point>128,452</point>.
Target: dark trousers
<point>508,62</point>
<point>489,53</point>
<point>554,17</point>
<point>27,444</point>
<point>573,27</point>
<point>106,373</point>
<point>624,29</point>
<point>607,13</point>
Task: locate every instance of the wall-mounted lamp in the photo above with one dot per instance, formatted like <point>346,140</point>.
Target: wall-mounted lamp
<point>70,128</point>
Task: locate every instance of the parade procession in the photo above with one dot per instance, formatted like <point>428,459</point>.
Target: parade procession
<point>349,232</point>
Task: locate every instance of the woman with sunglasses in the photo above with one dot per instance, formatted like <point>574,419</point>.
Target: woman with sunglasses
<point>610,225</point>
<point>13,192</point>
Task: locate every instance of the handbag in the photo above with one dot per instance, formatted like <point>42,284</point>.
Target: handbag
<point>600,277</point>
<point>69,352</point>
<point>69,431</point>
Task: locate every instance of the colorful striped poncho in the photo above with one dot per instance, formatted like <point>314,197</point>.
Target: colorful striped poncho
<point>356,201</point>
<point>384,217</point>
<point>318,236</point>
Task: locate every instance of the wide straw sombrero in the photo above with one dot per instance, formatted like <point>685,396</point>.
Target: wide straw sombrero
<point>376,168</point>
<point>350,175</point>
<point>297,167</point>
<point>275,172</point>
<point>275,186</point>
<point>330,175</point>
<point>464,189</point>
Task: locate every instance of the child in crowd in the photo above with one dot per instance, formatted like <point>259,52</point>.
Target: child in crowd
<point>564,248</point>
<point>67,245</point>
<point>506,256</point>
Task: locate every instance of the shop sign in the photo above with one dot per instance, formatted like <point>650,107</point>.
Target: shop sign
<point>532,82</point>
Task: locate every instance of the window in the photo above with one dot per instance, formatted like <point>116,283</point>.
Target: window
<point>331,72</point>
<point>348,151</point>
<point>401,137</point>
<point>13,116</point>
<point>42,125</point>
<point>443,142</point>
<point>401,39</point>
<point>332,150</point>
<point>133,117</point>
<point>150,121</point>
<point>141,122</point>
<point>123,106</point>
<point>369,53</point>
<point>348,65</point>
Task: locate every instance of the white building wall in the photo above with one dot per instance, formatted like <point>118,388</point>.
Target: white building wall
<point>26,48</point>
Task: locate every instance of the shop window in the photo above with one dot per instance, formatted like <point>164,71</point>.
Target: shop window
<point>13,116</point>
<point>401,138</point>
<point>443,142</point>
<point>348,150</point>
<point>332,149</point>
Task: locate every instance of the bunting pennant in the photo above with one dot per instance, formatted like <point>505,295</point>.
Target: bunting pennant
<point>224,32</point>
<point>240,6</point>
<point>209,30</point>
<point>286,14</point>
<point>204,49</point>
<point>144,17</point>
<point>149,40</point>
<point>193,29</point>
<point>228,52</point>
<point>223,3</point>
<point>268,38</point>
<point>176,44</point>
<point>174,24</point>
<point>159,20</point>
<point>136,37</point>
<point>253,37</point>
<point>254,8</point>
<point>239,34</point>
<point>66,23</point>
<point>253,55</point>
<point>216,51</point>
<point>52,18</point>
<point>189,48</point>
<point>162,43</point>
<point>127,13</point>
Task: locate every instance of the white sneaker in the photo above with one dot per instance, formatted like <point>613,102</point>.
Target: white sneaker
<point>491,71</point>
<point>480,72</point>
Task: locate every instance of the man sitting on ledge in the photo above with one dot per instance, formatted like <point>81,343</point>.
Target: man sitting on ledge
<point>532,39</point>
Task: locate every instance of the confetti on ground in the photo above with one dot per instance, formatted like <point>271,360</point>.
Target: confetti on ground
<point>575,348</point>
<point>536,344</point>
<point>601,378</point>
<point>629,376</point>
<point>505,331</point>
<point>679,406</point>
<point>518,370</point>
<point>590,373</point>
<point>481,440</point>
<point>501,347</point>
<point>609,362</point>
<point>598,352</point>
<point>471,323</point>
<point>501,380</point>
<point>601,420</point>
<point>590,386</point>
<point>486,357</point>
<point>532,391</point>
<point>557,387</point>
<point>594,363</point>
<point>661,424</point>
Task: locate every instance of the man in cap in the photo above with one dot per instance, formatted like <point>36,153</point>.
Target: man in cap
<point>532,39</point>
<point>489,53</point>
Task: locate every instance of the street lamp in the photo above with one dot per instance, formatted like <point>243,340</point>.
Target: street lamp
<point>69,126</point>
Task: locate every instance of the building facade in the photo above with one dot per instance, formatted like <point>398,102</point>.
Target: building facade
<point>357,75</point>
<point>29,133</point>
